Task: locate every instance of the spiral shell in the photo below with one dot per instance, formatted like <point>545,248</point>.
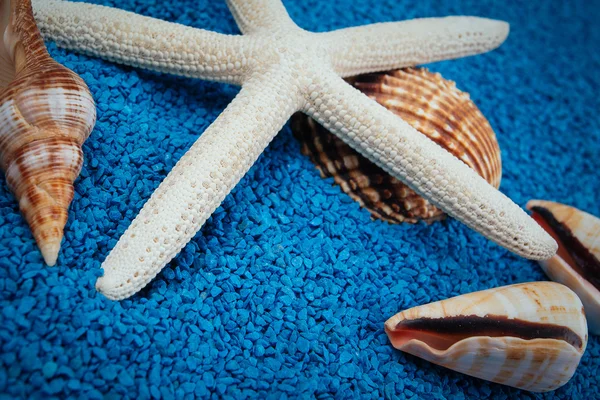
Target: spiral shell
<point>46,113</point>
<point>577,262</point>
<point>530,336</point>
<point>430,104</point>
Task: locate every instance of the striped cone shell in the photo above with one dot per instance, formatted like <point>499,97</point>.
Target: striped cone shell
<point>577,262</point>
<point>46,113</point>
<point>430,104</point>
<point>530,336</point>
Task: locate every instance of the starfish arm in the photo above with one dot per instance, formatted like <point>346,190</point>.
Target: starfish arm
<point>256,15</point>
<point>427,168</point>
<point>145,42</point>
<point>392,45</point>
<point>198,184</point>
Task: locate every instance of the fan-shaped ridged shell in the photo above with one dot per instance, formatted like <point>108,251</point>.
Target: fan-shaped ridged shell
<point>577,262</point>
<point>530,336</point>
<point>46,113</point>
<point>430,104</point>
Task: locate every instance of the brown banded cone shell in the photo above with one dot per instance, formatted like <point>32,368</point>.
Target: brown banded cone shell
<point>46,113</point>
<point>530,336</point>
<point>430,104</point>
<point>577,262</point>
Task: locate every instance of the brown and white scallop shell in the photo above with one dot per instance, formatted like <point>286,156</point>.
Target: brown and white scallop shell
<point>46,113</point>
<point>430,104</point>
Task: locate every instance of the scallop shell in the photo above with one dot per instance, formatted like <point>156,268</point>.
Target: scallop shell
<point>577,262</point>
<point>46,113</point>
<point>530,336</point>
<point>430,104</point>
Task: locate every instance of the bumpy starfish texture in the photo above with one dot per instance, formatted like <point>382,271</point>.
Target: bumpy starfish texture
<point>283,69</point>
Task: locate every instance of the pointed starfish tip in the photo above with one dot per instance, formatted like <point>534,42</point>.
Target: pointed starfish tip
<point>503,29</point>
<point>546,244</point>
<point>552,248</point>
<point>496,30</point>
<point>110,287</point>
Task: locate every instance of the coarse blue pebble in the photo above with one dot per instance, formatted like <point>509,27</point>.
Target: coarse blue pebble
<point>125,379</point>
<point>49,369</point>
<point>108,372</point>
<point>55,386</point>
<point>345,357</point>
<point>284,291</point>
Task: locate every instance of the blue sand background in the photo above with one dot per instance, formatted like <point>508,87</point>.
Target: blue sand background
<point>286,288</point>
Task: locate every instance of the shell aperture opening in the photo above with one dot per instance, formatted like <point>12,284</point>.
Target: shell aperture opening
<point>442,333</point>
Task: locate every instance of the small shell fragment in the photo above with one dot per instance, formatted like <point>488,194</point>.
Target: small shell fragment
<point>577,262</point>
<point>431,105</point>
<point>530,336</point>
<point>46,113</point>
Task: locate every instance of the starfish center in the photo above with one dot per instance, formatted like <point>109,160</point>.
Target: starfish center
<point>295,51</point>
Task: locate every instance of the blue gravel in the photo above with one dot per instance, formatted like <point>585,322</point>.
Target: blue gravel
<point>285,290</point>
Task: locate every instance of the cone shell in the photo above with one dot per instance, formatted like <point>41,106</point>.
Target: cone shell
<point>431,105</point>
<point>46,113</point>
<point>577,262</point>
<point>530,336</point>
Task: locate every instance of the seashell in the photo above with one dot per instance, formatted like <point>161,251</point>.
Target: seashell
<point>46,113</point>
<point>430,104</point>
<point>530,336</point>
<point>577,262</point>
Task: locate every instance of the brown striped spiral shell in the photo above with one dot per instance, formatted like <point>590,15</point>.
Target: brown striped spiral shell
<point>46,113</point>
<point>430,104</point>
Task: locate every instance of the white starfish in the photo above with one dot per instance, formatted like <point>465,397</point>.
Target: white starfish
<point>282,69</point>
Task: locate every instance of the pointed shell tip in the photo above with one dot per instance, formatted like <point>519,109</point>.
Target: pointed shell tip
<point>50,253</point>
